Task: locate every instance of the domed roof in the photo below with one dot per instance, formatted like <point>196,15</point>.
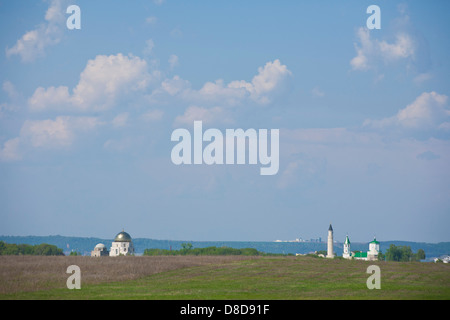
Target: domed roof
<point>100,246</point>
<point>122,237</point>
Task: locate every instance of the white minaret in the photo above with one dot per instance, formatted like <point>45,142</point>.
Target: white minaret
<point>347,254</point>
<point>330,252</point>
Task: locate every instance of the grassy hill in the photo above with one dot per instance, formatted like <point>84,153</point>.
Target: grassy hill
<point>193,277</point>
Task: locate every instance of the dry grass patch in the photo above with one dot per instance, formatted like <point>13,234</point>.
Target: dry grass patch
<point>32,273</point>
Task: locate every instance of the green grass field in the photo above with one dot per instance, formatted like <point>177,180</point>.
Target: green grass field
<point>283,278</point>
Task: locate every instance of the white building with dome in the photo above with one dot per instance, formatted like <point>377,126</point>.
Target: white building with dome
<point>371,255</point>
<point>100,250</point>
<point>122,245</point>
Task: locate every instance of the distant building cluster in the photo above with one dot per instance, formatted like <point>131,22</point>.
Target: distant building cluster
<point>444,259</point>
<point>371,255</point>
<point>301,240</point>
<point>121,246</point>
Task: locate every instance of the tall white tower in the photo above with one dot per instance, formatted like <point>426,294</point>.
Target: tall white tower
<point>330,252</point>
<point>347,254</point>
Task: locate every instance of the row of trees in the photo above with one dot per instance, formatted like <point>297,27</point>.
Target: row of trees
<point>187,249</point>
<point>403,253</point>
<point>27,249</point>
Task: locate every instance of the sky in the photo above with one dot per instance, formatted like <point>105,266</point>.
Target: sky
<point>86,118</point>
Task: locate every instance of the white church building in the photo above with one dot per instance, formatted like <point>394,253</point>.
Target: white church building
<point>122,245</point>
<point>371,255</point>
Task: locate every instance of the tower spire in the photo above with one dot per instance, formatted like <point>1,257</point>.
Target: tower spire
<point>330,251</point>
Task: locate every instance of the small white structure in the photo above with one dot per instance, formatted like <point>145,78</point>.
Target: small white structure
<point>330,252</point>
<point>122,245</point>
<point>100,250</point>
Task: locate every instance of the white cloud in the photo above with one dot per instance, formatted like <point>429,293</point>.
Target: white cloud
<point>57,133</point>
<point>10,150</point>
<point>360,62</point>
<point>52,97</point>
<point>47,132</point>
<point>370,51</point>
<point>426,112</point>
<point>269,79</point>
<point>107,80</point>
<point>33,43</point>
<point>218,92</point>
<point>264,86</point>
<point>103,81</point>
<point>107,77</point>
<point>403,47</point>
<point>175,85</point>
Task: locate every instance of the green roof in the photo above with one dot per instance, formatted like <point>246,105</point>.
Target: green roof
<point>374,241</point>
<point>360,255</point>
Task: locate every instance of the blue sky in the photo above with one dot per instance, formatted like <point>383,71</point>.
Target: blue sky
<point>86,118</point>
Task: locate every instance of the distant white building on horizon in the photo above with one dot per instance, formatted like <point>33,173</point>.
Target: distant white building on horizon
<point>100,250</point>
<point>371,255</point>
<point>122,245</point>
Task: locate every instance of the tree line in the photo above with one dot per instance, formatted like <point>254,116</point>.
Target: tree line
<point>187,249</point>
<point>403,253</point>
<point>42,249</point>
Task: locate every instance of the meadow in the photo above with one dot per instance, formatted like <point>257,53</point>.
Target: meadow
<point>219,277</point>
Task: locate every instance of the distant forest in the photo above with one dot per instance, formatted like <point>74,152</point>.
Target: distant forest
<point>42,249</point>
<point>187,249</point>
